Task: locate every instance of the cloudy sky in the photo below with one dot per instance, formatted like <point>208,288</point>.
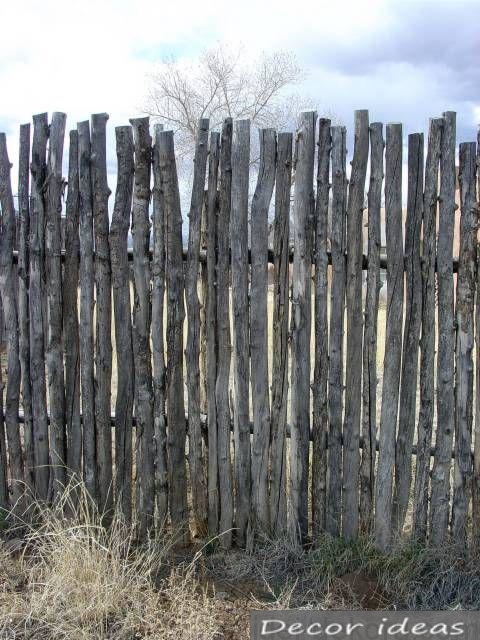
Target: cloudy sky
<point>403,60</point>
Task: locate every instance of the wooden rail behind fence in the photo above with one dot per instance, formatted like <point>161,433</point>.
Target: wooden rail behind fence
<point>257,424</point>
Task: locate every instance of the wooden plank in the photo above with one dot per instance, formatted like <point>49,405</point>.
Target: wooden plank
<point>118,239</point>
<point>38,168</point>
<point>192,353</point>
<point>320,378</point>
<point>476,454</point>
<point>103,313</point>
<point>239,262</point>
<point>304,203</point>
<point>370,380</point>
<point>142,310</point>
<point>259,329</point>
<point>440,493</point>
<point>465,298</point>
<point>23,294</point>
<point>86,309</point>
<point>53,266</point>
<point>337,314</point>
<point>353,373</point>
<point>411,337</point>
<point>175,319</point>
<point>158,342</point>
<point>9,303</point>
<point>427,343</point>
<point>281,239</point>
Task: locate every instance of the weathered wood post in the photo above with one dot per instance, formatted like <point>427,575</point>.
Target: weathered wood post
<point>118,240</point>
<point>303,212</point>
<point>4,497</point>
<point>476,450</point>
<point>353,373</point>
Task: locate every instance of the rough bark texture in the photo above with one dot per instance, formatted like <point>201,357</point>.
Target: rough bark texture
<point>175,320</point>
<point>142,356</point>
<point>103,318</point>
<point>281,237</point>
<point>192,353</point>
<point>413,318</point>
<point>476,451</point>
<point>4,497</point>
<point>337,314</point>
<point>86,309</point>
<point>370,380</point>
<point>301,324</point>
<point>259,329</point>
<point>239,250</point>
<point>427,343</point>
<point>467,269</point>
<point>9,303</point>
<point>38,168</point>
<point>353,378</point>
<point>123,321</point>
<point>53,265</point>
<point>319,391</point>
<point>440,493</point>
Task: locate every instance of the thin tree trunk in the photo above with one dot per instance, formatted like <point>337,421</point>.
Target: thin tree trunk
<point>38,169</point>
<point>337,321</point>
<point>192,353</point>
<point>239,249</point>
<point>278,458</point>
<point>353,380</point>
<point>175,320</point>
<point>476,453</point>
<point>320,389</point>
<point>304,203</point>
<point>9,303</point>
<point>413,319</point>
<point>467,269</point>
<point>118,240</point>
<point>370,380</point>
<point>440,499</point>
<point>427,343</point>
<point>103,307</point>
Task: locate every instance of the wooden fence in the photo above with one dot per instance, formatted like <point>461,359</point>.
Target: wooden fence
<point>260,425</point>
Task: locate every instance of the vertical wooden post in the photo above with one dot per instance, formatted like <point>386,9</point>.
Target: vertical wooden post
<point>440,499</point>
<point>9,303</point>
<point>158,342</point>
<point>118,240</point>
<point>353,379</point>
<point>103,302</point>
<point>4,497</point>
<point>86,309</point>
<point>23,294</point>
<point>239,250</point>
<point>319,391</point>
<point>53,265</point>
<point>281,240</point>
<point>427,343</point>
<point>175,319</point>
<point>413,318</point>
<point>370,381</point>
<point>38,169</point>
<point>304,203</point>
<point>476,449</point>
<point>337,314</point>
<point>192,353</point>
<point>259,329</point>
<point>467,269</point>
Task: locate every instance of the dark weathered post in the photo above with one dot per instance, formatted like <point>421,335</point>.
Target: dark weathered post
<point>239,250</point>
<point>320,379</point>
<point>353,377</point>
<point>192,353</point>
<point>304,203</point>
<point>411,334</point>
<point>369,418</point>
<point>281,239</point>
<point>476,449</point>
<point>118,240</point>
<point>4,497</point>
<point>467,270</point>
<point>259,328</point>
